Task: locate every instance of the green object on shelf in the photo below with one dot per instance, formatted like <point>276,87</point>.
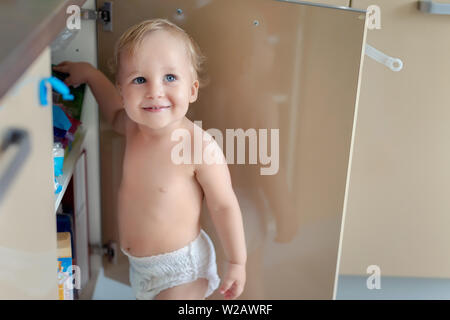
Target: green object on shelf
<point>75,106</point>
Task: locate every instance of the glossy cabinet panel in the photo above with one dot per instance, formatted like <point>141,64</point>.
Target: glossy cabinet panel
<point>288,73</point>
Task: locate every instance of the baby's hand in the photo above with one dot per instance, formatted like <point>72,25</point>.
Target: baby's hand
<point>234,281</point>
<point>79,72</point>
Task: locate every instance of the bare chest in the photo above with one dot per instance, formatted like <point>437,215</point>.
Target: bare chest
<point>149,165</point>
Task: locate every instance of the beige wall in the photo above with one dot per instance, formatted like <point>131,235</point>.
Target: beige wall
<point>398,202</point>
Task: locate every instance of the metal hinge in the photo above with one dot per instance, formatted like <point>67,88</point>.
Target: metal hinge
<point>108,250</point>
<point>104,14</point>
<point>429,6</point>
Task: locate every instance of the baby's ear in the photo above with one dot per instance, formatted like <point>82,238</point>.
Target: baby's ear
<point>194,91</point>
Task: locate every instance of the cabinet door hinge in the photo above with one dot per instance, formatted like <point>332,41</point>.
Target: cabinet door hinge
<point>104,14</point>
<point>108,250</point>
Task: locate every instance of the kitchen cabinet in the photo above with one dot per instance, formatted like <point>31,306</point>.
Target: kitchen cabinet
<point>397,215</point>
<point>27,215</point>
<point>298,46</point>
<point>28,242</point>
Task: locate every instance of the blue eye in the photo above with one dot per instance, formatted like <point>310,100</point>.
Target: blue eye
<point>139,82</point>
<point>170,77</point>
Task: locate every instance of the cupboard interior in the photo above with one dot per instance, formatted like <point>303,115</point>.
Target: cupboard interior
<point>81,189</point>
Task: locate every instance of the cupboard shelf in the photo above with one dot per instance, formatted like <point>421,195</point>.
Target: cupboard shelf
<point>69,165</point>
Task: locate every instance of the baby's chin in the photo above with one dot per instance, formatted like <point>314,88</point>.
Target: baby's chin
<point>157,121</point>
<point>158,124</point>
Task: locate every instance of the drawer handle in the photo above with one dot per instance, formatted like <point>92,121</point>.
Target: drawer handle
<point>429,6</point>
<point>57,85</point>
<point>8,171</point>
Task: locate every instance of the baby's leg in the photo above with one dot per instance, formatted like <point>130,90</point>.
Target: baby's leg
<point>195,290</point>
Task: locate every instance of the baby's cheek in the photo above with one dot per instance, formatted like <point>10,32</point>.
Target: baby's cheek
<point>180,110</point>
<point>131,113</point>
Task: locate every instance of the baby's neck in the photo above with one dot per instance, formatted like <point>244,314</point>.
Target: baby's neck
<point>161,133</point>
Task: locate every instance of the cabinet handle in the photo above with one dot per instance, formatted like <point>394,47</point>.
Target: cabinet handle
<point>395,64</point>
<point>8,170</point>
<point>57,85</point>
<point>429,6</point>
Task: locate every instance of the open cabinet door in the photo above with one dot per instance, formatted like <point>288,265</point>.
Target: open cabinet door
<point>396,236</point>
<point>28,247</point>
<point>286,70</point>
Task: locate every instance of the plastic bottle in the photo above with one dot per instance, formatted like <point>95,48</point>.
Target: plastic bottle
<point>58,162</point>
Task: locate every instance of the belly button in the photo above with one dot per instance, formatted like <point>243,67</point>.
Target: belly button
<point>161,189</point>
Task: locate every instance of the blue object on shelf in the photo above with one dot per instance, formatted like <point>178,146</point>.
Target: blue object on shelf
<point>60,133</point>
<point>58,187</point>
<point>57,85</point>
<point>60,120</point>
<point>58,166</point>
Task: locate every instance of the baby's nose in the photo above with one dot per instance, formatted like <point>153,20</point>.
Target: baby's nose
<point>154,90</point>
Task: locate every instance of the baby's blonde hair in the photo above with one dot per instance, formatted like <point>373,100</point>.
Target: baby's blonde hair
<point>132,38</point>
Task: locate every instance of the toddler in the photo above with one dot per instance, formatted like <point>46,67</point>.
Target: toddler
<point>159,202</point>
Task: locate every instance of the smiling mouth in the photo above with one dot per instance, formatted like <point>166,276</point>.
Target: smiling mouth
<point>157,108</point>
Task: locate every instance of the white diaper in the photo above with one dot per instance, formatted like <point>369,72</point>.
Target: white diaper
<point>151,275</point>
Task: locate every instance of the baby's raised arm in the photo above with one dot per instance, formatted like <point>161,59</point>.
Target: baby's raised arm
<point>105,93</point>
<point>226,215</point>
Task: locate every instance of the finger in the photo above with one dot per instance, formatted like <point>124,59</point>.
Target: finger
<point>226,286</point>
<point>239,288</point>
<point>63,66</point>
<point>70,83</point>
<point>64,63</point>
<point>238,291</point>
<point>232,293</point>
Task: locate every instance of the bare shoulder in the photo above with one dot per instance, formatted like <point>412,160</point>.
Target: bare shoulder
<point>190,126</point>
<point>212,173</point>
<point>211,153</point>
<point>198,132</point>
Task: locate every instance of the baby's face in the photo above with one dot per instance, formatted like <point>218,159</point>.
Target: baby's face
<point>159,75</point>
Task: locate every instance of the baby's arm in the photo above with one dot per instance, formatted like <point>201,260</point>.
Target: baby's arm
<point>226,215</point>
<point>106,95</point>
